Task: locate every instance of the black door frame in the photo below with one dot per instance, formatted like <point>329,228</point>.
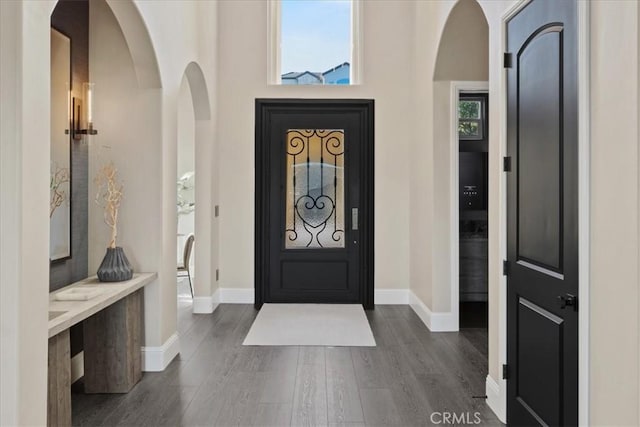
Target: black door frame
<point>264,109</point>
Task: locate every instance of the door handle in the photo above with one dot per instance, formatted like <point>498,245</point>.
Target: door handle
<point>354,218</point>
<point>568,301</point>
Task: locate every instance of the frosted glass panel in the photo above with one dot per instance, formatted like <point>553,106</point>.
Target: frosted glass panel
<point>315,189</point>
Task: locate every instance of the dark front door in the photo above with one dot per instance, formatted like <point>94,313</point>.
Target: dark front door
<point>314,199</point>
<point>542,213</point>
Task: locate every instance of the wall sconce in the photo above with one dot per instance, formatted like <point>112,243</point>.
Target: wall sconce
<point>79,125</point>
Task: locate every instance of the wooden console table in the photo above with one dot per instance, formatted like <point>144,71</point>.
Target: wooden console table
<point>112,341</point>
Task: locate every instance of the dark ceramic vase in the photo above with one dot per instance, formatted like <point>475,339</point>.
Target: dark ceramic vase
<point>115,266</point>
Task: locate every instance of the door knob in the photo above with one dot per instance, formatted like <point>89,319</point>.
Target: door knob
<point>568,301</point>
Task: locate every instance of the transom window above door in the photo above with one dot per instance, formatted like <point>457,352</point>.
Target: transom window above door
<point>314,42</point>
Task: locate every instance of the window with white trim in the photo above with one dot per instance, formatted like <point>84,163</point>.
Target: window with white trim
<point>314,42</point>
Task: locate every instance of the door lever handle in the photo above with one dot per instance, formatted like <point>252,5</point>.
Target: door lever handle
<point>354,218</point>
<point>568,301</point>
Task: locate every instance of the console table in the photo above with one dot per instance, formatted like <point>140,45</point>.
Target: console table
<point>112,340</point>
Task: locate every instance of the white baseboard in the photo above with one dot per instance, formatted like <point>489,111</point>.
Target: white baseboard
<point>77,367</point>
<point>156,359</point>
<point>237,295</point>
<point>441,321</point>
<point>444,322</point>
<point>436,322</point>
<point>391,296</point>
<point>246,296</point>
<point>497,398</point>
<point>206,305</point>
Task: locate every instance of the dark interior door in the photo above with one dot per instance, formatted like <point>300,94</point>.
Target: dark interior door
<point>316,196</point>
<point>542,213</point>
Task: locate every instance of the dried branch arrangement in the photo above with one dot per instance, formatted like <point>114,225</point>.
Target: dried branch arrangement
<point>58,195</point>
<point>109,195</point>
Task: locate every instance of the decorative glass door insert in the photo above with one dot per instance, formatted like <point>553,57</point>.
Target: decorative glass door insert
<point>314,202</point>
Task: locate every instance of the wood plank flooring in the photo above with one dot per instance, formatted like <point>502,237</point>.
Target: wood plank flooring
<point>411,375</point>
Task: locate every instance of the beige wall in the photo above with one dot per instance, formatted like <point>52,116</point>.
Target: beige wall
<point>206,224</point>
<point>441,202</point>
<point>206,244</point>
<point>207,158</point>
<point>614,352</point>
<point>24,265</point>
<point>429,21</point>
<point>462,51</point>
<point>387,77</point>
<point>10,153</point>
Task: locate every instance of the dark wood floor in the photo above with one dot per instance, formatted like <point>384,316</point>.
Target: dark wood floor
<point>410,375</point>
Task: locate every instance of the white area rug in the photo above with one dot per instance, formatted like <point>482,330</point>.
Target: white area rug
<point>311,324</point>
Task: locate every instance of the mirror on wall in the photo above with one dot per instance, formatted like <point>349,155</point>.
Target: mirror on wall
<point>60,180</point>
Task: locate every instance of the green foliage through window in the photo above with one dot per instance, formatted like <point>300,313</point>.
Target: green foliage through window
<point>470,116</point>
<point>467,128</point>
<point>469,109</point>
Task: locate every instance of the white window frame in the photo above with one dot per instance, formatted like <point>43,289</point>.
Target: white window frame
<point>274,25</point>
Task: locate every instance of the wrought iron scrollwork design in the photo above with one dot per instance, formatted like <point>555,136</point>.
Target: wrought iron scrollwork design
<point>315,162</point>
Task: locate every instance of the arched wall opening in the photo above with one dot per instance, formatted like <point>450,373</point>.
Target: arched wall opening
<point>462,64</point>
<point>195,154</point>
<point>128,115</point>
<point>463,51</point>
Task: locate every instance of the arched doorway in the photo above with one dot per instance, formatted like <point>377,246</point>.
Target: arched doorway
<point>462,67</point>
<point>196,210</point>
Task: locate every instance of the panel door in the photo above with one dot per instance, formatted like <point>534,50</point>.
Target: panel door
<point>318,209</point>
<point>542,213</point>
